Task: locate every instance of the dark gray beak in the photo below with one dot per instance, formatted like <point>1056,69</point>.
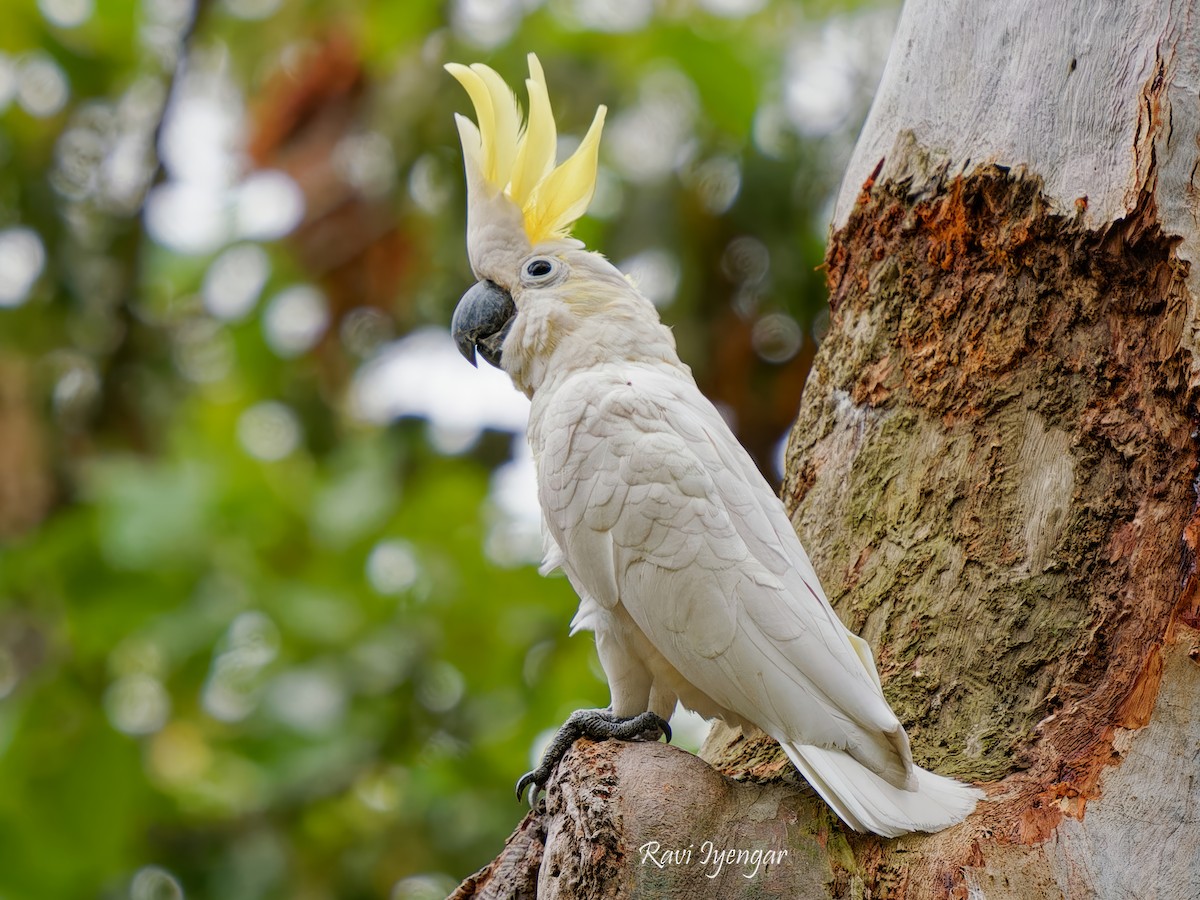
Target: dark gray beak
<point>481,321</point>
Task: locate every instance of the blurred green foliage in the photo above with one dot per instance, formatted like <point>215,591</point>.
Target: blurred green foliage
<point>254,643</point>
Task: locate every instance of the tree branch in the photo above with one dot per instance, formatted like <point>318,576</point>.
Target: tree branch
<point>628,819</point>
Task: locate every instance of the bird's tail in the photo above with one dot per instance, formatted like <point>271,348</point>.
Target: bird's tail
<point>866,802</point>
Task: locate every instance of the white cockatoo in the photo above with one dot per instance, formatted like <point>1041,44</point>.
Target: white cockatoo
<point>687,567</point>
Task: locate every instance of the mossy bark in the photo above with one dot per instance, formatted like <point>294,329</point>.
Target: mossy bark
<point>996,467</point>
<point>993,470</point>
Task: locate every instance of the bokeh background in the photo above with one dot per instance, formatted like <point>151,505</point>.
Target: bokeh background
<point>270,624</point>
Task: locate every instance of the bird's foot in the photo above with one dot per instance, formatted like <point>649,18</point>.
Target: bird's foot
<point>597,724</point>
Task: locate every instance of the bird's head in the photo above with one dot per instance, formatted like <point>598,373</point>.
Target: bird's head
<point>539,290</point>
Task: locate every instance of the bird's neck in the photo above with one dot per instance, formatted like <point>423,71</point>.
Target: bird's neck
<point>628,332</point>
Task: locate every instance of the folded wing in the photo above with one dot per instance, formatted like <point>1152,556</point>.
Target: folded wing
<point>655,505</point>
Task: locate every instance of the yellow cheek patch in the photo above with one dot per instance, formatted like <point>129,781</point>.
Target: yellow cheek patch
<point>519,161</point>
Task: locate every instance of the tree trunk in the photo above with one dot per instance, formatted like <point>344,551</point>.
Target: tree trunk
<point>994,470</point>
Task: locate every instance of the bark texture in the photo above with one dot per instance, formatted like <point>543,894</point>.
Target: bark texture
<point>994,469</point>
<point>1002,419</point>
<point>998,467</point>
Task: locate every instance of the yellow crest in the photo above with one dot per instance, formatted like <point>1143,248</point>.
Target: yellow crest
<point>520,161</point>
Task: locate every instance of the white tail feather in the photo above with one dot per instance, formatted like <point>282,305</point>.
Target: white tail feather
<point>866,802</point>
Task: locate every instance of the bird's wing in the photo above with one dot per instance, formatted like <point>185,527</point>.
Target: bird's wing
<point>763,522</point>
<point>649,496</point>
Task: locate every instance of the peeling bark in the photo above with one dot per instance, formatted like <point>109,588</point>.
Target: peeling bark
<point>1003,417</point>
<point>1012,493</point>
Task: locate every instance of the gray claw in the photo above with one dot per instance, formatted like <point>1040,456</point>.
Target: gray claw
<point>598,724</point>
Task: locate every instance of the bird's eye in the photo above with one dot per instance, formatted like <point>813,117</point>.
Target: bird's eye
<point>539,268</point>
<point>541,271</point>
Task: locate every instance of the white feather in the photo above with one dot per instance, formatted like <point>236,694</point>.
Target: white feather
<point>866,802</point>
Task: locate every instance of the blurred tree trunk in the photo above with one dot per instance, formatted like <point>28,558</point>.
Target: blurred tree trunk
<point>26,482</point>
<point>994,470</point>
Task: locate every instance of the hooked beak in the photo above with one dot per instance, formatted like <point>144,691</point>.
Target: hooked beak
<point>481,321</point>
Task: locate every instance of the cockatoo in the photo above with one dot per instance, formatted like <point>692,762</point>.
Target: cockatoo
<point>686,564</point>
